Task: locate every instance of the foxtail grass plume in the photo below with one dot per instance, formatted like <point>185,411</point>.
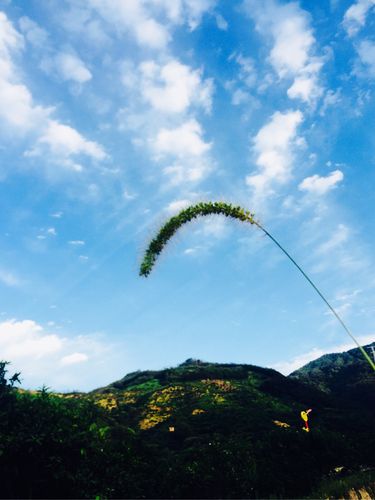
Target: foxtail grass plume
<point>166,232</point>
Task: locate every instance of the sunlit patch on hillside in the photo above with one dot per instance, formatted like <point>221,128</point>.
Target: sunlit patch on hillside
<point>281,424</point>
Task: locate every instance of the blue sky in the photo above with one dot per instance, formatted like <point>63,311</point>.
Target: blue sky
<point>114,115</point>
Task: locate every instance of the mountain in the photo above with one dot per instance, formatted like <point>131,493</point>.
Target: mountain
<point>346,376</point>
<point>251,415</point>
<point>199,430</point>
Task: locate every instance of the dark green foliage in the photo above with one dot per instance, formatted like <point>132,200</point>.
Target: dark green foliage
<point>174,223</point>
<point>344,374</point>
<point>227,440</point>
<point>54,447</point>
<point>338,484</point>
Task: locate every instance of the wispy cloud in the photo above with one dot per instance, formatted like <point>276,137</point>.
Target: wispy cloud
<point>355,16</point>
<point>338,238</point>
<point>319,185</point>
<point>287,367</point>
<point>221,22</point>
<point>293,53</point>
<point>65,143</point>
<point>34,34</point>
<point>164,103</point>
<point>185,140</point>
<point>68,66</point>
<point>366,53</point>
<point>57,215</point>
<point>273,147</point>
<point>9,279</point>
<point>18,110</point>
<point>74,358</point>
<point>46,357</point>
<point>76,243</point>
<point>177,205</point>
<point>132,17</point>
<point>174,87</point>
<point>186,151</point>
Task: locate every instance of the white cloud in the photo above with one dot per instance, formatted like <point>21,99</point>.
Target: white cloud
<point>306,88</point>
<point>174,87</point>
<point>34,34</point>
<point>338,238</point>
<point>72,359</point>
<point>66,64</point>
<point>195,9</point>
<point>176,206</point>
<point>247,73</point>
<point>18,110</point>
<point>183,141</point>
<point>10,39</point>
<point>189,170</point>
<point>44,357</point>
<point>150,32</point>
<point>185,11</point>
<point>80,19</point>
<point>344,301</point>
<point>8,278</point>
<point>292,54</point>
<point>215,226</point>
<point>129,196</point>
<point>287,367</point>
<point>148,22</point>
<point>222,24</point>
<point>26,339</point>
<point>16,103</point>
<point>172,8</point>
<point>273,149</point>
<point>63,142</point>
<point>71,67</point>
<point>320,185</point>
<point>355,16</point>
<point>239,97</point>
<point>185,146</point>
<point>162,101</point>
<point>293,41</point>
<point>366,52</point>
<point>134,17</point>
<point>189,251</point>
<point>330,99</point>
<point>76,243</point>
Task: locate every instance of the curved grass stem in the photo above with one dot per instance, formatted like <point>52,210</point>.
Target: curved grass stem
<point>208,208</point>
<point>366,356</point>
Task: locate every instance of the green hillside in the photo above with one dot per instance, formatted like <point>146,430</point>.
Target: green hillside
<point>345,375</point>
<point>200,430</point>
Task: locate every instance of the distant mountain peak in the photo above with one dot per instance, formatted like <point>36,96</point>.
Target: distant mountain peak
<point>193,361</point>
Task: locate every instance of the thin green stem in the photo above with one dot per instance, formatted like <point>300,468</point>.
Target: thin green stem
<point>208,208</point>
<point>367,357</point>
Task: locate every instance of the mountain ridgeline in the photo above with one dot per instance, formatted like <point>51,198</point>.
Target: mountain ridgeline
<point>343,375</point>
<point>200,430</point>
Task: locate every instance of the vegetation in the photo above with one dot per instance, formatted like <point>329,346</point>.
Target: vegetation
<point>174,223</point>
<point>210,208</point>
<point>201,430</point>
